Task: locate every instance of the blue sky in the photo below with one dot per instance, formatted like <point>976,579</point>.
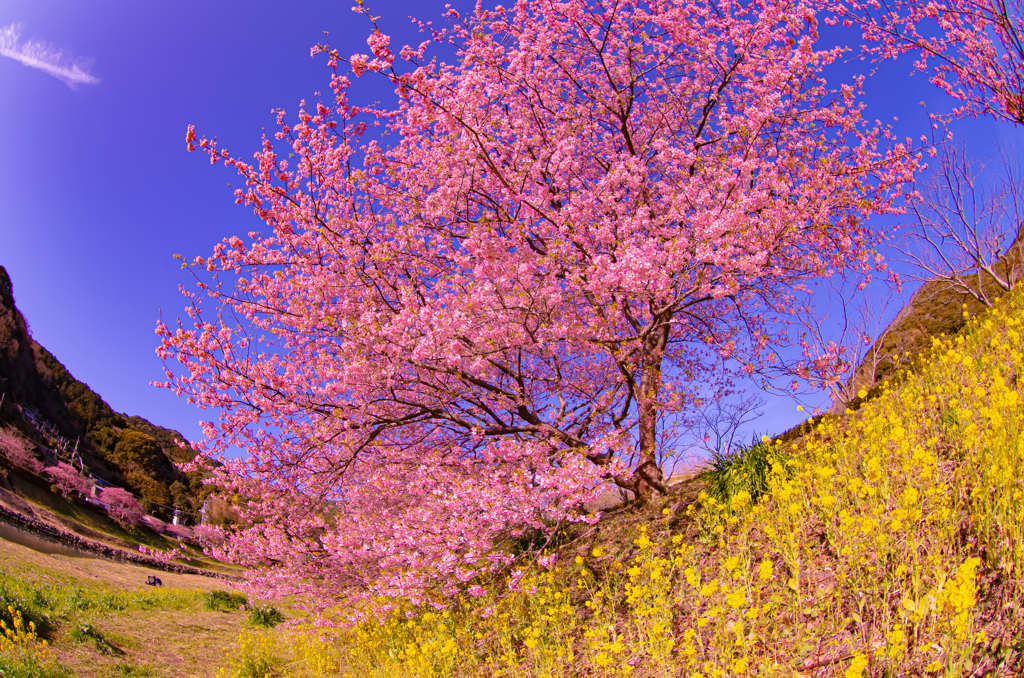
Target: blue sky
<point>97,191</point>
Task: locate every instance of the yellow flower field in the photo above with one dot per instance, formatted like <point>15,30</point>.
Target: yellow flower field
<point>889,543</point>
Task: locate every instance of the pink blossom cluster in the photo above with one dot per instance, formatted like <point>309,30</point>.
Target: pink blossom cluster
<point>122,507</point>
<point>18,450</point>
<point>972,49</point>
<point>179,531</point>
<point>168,556</point>
<point>68,479</point>
<point>592,220</point>
<point>209,536</point>
<point>418,527</point>
<point>155,523</point>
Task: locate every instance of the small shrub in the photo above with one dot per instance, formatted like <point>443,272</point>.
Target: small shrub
<point>265,616</point>
<point>743,470</point>
<point>225,600</point>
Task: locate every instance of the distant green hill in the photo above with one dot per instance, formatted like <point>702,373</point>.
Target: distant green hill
<point>43,400</point>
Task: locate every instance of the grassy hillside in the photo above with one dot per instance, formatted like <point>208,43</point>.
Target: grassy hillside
<point>89,618</point>
<point>89,526</point>
<point>888,542</point>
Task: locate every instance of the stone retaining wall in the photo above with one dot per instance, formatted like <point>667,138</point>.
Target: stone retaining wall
<point>79,543</point>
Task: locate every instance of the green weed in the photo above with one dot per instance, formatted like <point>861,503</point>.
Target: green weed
<point>265,616</point>
<point>17,595</point>
<point>28,666</point>
<point>133,671</point>
<point>745,469</point>
<point>87,633</point>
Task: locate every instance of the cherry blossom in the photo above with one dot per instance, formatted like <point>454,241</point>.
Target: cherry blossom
<point>18,449</point>
<point>122,507</point>
<point>68,479</point>
<point>972,49</point>
<point>453,336</point>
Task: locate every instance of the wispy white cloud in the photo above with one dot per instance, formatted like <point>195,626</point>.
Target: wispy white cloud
<point>45,57</point>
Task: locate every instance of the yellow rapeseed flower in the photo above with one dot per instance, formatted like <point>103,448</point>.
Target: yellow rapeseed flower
<point>857,666</point>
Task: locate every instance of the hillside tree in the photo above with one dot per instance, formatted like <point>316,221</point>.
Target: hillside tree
<point>964,237</point>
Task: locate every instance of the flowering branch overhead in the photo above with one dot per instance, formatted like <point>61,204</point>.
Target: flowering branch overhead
<point>972,49</point>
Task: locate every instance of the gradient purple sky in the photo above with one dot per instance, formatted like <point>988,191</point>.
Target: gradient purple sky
<point>97,191</point>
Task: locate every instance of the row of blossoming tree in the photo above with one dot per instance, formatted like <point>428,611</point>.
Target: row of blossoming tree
<point>122,506</point>
<point>592,222</point>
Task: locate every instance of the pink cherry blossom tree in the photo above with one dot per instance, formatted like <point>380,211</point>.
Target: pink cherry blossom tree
<point>18,449</point>
<point>563,244</point>
<point>122,507</point>
<point>180,531</point>
<point>68,479</point>
<point>972,49</point>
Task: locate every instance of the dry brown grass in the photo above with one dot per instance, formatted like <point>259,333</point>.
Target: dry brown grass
<point>149,643</point>
<point>174,644</point>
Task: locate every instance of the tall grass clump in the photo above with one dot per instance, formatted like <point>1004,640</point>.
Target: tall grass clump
<point>266,616</point>
<point>889,542</point>
<point>742,472</point>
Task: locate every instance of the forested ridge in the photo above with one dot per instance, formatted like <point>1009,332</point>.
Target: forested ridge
<point>44,400</point>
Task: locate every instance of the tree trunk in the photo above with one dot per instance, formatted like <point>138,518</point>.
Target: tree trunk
<point>648,478</point>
